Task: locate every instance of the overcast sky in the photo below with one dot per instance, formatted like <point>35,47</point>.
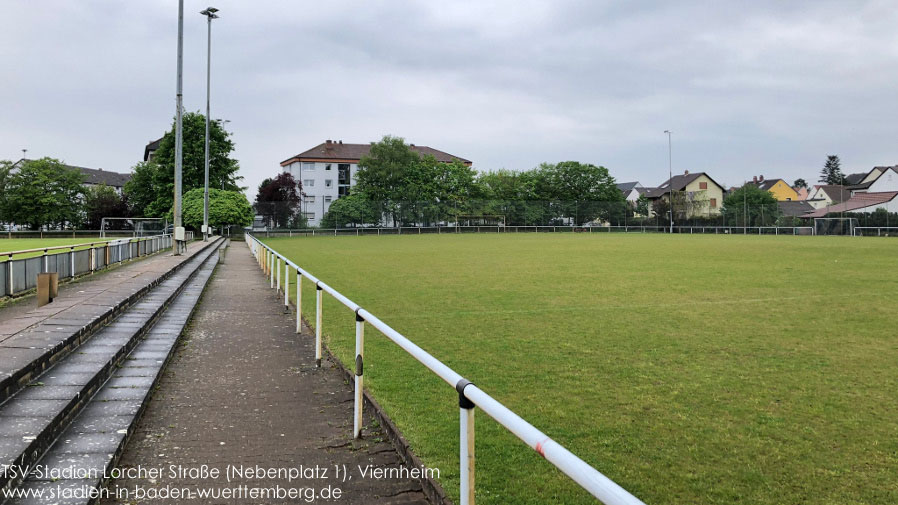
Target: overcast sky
<point>748,88</point>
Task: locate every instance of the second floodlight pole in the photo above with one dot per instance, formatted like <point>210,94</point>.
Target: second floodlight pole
<point>179,140</point>
<point>210,15</point>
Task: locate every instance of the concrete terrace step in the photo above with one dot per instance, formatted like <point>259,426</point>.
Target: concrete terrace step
<point>33,418</point>
<point>36,340</point>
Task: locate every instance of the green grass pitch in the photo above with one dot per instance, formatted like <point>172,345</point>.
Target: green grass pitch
<point>689,369</point>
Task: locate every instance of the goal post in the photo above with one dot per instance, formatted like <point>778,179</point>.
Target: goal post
<point>138,226</point>
<point>835,225</point>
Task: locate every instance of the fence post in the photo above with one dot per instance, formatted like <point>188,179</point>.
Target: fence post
<point>319,299</point>
<point>298,301</point>
<point>359,374</point>
<point>46,262</point>
<point>271,268</point>
<point>465,444</point>
<point>277,266</point>
<point>9,273</point>
<point>72,261</point>
<point>286,287</point>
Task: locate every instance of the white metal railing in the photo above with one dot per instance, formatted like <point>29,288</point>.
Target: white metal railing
<point>420,230</point>
<point>879,231</point>
<point>469,395</point>
<point>69,261</point>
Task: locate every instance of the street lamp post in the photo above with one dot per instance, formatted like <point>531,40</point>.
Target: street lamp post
<point>670,180</point>
<point>210,15</point>
<point>179,134</point>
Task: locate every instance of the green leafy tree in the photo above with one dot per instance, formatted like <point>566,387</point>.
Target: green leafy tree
<point>518,196</point>
<point>800,183</point>
<point>102,201</point>
<point>584,191</point>
<point>225,208</point>
<point>388,175</point>
<point>642,206</point>
<point>351,210</point>
<point>141,190</point>
<point>5,167</point>
<point>832,171</point>
<point>44,192</point>
<point>751,206</point>
<point>222,168</point>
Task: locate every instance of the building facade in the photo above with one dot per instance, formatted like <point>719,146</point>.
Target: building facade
<point>328,170</point>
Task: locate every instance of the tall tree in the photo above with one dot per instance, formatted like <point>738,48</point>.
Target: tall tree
<point>141,190</point>
<point>278,199</point>
<point>102,201</point>
<point>832,171</point>
<point>751,206</point>
<point>584,191</point>
<point>800,183</point>
<point>222,168</point>
<point>389,175</point>
<point>44,192</point>
<point>5,167</point>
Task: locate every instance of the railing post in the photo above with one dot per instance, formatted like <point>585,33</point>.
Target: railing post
<point>286,287</point>
<point>465,444</point>
<point>72,261</point>
<point>277,266</point>
<point>271,268</point>
<point>319,299</point>
<point>359,374</point>
<point>298,301</point>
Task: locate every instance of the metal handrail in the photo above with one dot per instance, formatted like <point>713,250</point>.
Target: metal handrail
<point>69,247</point>
<point>469,395</point>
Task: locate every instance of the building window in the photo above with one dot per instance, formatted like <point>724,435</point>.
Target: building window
<point>327,199</point>
<point>713,203</point>
<point>308,166</point>
<point>308,183</point>
<point>310,198</point>
<point>328,183</point>
<point>327,167</point>
<point>703,185</point>
<point>309,215</point>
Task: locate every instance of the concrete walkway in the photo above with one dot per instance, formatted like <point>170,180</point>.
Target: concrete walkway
<point>243,389</point>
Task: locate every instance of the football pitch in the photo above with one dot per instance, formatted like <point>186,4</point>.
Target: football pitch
<point>688,369</point>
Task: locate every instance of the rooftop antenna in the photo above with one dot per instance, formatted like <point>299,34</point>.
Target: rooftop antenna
<point>24,153</point>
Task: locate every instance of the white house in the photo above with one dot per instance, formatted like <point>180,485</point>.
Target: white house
<point>328,170</point>
<point>822,196</point>
<point>630,191</point>
<point>879,180</point>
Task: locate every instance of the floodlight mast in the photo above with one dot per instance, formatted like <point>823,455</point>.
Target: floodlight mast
<point>210,15</point>
<point>179,134</point>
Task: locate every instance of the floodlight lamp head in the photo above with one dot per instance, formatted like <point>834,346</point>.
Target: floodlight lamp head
<point>210,12</point>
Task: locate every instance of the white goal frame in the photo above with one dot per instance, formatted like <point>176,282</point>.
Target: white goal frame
<point>852,224</point>
<point>136,223</point>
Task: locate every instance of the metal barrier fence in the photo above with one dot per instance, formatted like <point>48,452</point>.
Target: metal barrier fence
<point>469,396</point>
<point>67,233</point>
<point>875,231</point>
<point>419,230</point>
<point>20,275</point>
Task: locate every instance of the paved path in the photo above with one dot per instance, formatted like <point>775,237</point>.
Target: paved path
<point>244,390</point>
